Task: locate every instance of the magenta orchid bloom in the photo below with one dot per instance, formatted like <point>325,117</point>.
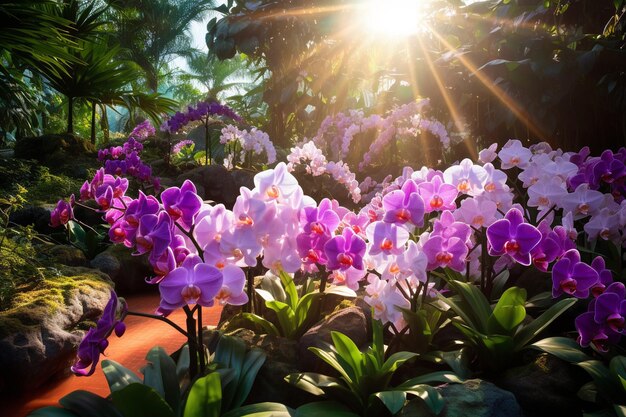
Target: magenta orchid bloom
<point>513,237</point>
<point>194,282</point>
<point>95,341</point>
<point>610,307</point>
<point>444,253</point>
<point>402,207</point>
<point>154,234</point>
<point>592,333</point>
<point>232,290</point>
<point>62,213</point>
<point>345,251</point>
<point>605,277</point>
<point>182,203</point>
<point>437,195</point>
<point>573,277</point>
<point>386,239</point>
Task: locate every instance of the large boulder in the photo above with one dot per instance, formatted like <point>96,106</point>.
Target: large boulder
<point>52,149</point>
<point>216,183</point>
<point>40,332</point>
<point>474,397</point>
<point>127,271</point>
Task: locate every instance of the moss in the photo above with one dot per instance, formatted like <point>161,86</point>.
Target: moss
<point>29,308</point>
<point>17,273</point>
<point>51,188</point>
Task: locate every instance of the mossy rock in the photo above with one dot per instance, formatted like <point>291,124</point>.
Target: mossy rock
<point>49,148</point>
<point>41,330</point>
<point>17,272</point>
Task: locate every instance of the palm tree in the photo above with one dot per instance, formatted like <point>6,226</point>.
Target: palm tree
<point>155,31</point>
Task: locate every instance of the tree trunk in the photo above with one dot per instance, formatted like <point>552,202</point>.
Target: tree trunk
<point>93,122</point>
<point>70,114</point>
<point>104,124</point>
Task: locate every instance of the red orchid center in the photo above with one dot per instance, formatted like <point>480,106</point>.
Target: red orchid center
<point>174,212</point>
<point>444,257</point>
<point>144,242</point>
<point>356,229</point>
<point>490,187</point>
<point>104,203</point>
<point>597,290</point>
<point>601,342</point>
<point>386,244</point>
<point>511,246</point>
<point>436,202</point>
<point>478,220</point>
<point>318,228</point>
<point>312,256</point>
<point>615,322</point>
<point>568,286</point>
<point>583,208</point>
<point>403,215</point>
<point>245,220</point>
<point>463,186</point>
<point>273,192</point>
<point>190,293</point>
<point>345,260</point>
<point>119,233</point>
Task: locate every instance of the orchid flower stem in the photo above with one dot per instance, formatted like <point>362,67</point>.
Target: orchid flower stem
<point>192,343</point>
<point>161,318</point>
<point>546,214</point>
<point>425,290</point>
<point>323,280</point>
<point>483,261</point>
<point>207,143</point>
<point>250,280</point>
<point>189,234</point>
<point>200,341</point>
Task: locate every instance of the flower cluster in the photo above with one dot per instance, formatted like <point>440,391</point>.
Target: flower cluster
<point>63,212</point>
<point>126,160</point>
<point>316,164</point>
<point>198,112</point>
<point>178,147</point>
<point>243,142</point>
<point>142,131</point>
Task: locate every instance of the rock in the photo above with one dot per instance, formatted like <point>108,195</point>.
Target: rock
<point>68,255</point>
<point>216,183</point>
<point>52,148</point>
<point>474,397</point>
<point>547,386</point>
<point>40,333</point>
<point>33,215</point>
<point>351,321</point>
<point>88,212</point>
<point>128,272</point>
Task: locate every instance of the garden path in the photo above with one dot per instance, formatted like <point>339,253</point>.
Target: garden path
<point>130,350</point>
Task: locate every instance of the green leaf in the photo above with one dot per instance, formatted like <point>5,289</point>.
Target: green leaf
<point>474,308</point>
<point>431,397</point>
<point>266,325</point>
<point>330,359</point>
<point>304,310</point>
<point>563,348</point>
<point>77,235</point>
<point>393,400</point>
<point>52,412</point>
<point>509,311</point>
<point>286,316</point>
<point>394,361</point>
<point>588,392</point>
<point>138,400</point>
<point>349,352</point>
<point>617,366</point>
<point>204,397</point>
<point>340,290</point>
<point>620,410</point>
<point>251,366</point>
<point>117,375</point>
<point>529,332</point>
<point>439,376</point>
<point>87,404</point>
<point>323,409</point>
<point>601,376</point>
<point>230,354</point>
<point>182,366</point>
<point>378,344</point>
<point>261,410</point>
<point>290,289</point>
<point>160,374</point>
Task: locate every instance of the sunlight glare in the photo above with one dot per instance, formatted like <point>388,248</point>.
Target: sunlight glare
<point>393,17</point>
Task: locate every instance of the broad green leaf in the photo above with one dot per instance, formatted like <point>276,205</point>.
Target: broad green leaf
<point>617,367</point>
<point>286,316</point>
<point>87,404</point>
<point>431,397</point>
<point>290,289</point>
<point>261,410</point>
<point>52,412</point>
<point>473,307</point>
<point>204,397</point>
<point>324,409</point>
<point>330,359</point>
<point>160,374</point>
<point>394,361</point>
<point>266,325</point>
<point>509,311</point>
<point>251,366</point>
<point>117,375</point>
<point>310,382</point>
<point>563,348</point>
<point>439,376</point>
<point>349,352</point>
<point>393,400</point>
<point>378,344</point>
<point>182,366</point>
<point>138,400</point>
<point>601,376</point>
<point>230,354</point>
<point>620,410</point>
<point>529,332</point>
<point>304,309</point>
<point>265,295</point>
<point>588,392</point>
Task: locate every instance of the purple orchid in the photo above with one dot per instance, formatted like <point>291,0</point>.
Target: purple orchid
<point>573,277</point>
<point>386,239</point>
<point>511,235</point>
<point>444,253</point>
<point>605,277</point>
<point>194,282</point>
<point>62,213</point>
<point>402,207</point>
<point>345,251</point>
<point>154,234</point>
<point>437,195</point>
<point>182,203</point>
<point>610,307</point>
<point>592,333</point>
<point>95,341</point>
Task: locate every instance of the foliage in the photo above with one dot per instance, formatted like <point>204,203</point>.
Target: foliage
<point>498,333</point>
<point>365,377</point>
<point>296,312</point>
<point>608,387</point>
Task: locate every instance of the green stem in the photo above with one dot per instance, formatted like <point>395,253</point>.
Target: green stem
<point>161,318</point>
<point>192,343</point>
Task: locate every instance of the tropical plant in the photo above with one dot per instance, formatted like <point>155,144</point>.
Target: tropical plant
<point>497,333</point>
<point>364,383</point>
<point>608,387</point>
<point>296,310</point>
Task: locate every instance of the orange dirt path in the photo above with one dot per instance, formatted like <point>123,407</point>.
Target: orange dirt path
<point>130,350</point>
